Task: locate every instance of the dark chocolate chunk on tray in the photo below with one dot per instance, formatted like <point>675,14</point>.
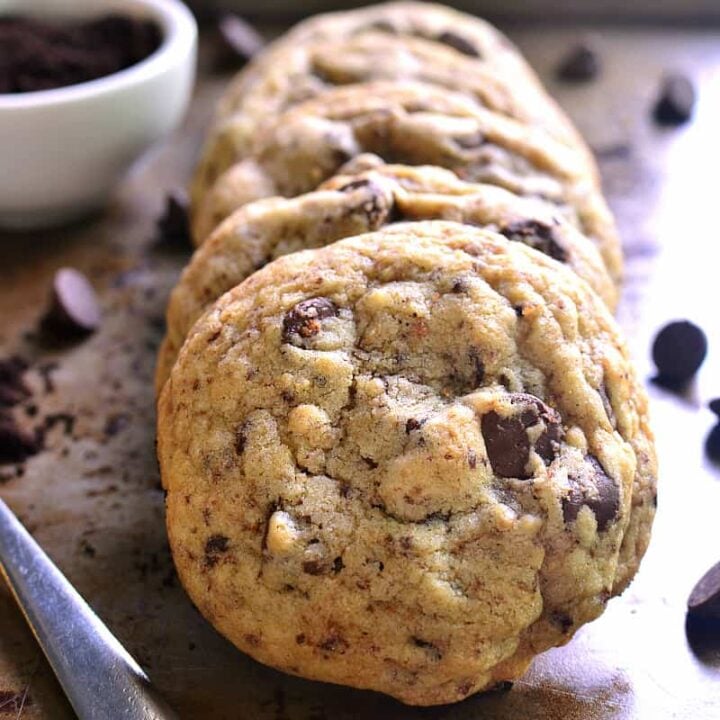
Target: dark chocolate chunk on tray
<point>712,444</point>
<point>704,600</point>
<point>679,350</point>
<point>74,308</point>
<point>173,226</point>
<point>675,102</point>
<point>580,64</point>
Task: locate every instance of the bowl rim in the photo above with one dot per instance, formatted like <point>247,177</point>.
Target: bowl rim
<point>179,37</point>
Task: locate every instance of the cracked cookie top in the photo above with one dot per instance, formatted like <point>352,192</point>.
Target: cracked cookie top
<point>408,461</point>
<point>350,204</point>
<point>397,41</point>
<point>413,124</point>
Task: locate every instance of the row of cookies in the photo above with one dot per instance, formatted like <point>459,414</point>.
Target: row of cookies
<point>402,440</point>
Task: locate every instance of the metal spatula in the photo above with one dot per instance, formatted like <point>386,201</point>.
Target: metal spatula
<point>98,675</point>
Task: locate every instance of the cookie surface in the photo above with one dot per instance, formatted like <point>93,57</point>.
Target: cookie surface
<point>414,124</point>
<point>409,461</point>
<point>397,41</point>
<point>350,204</point>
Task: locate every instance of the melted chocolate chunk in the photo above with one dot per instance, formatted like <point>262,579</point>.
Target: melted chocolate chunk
<point>315,567</point>
<point>459,43</point>
<point>215,546</point>
<point>413,424</point>
<point>479,367</point>
<point>595,489</point>
<point>374,207</point>
<point>305,319</point>
<point>430,648</point>
<point>536,235</point>
<point>507,440</point>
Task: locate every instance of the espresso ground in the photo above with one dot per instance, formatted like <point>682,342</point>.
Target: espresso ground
<point>37,55</point>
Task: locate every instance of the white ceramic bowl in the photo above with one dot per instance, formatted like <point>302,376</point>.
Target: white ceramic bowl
<point>63,151</point>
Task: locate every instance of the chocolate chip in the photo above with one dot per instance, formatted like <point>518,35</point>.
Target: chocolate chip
<point>675,102</point>
<point>430,648</point>
<point>334,642</point>
<point>338,565</point>
<point>472,459</point>
<point>16,443</point>
<point>592,487</point>
<point>13,389</point>
<point>240,41</point>
<point>458,43</point>
<point>173,226</point>
<point>460,286</point>
<point>536,235</point>
<point>240,439</point>
<point>679,350</point>
<point>704,600</point>
<point>305,319</point>
<point>373,203</point>
<point>562,620</point>
<point>581,64</point>
<point>215,546</point>
<point>507,441</point>
<point>714,406</point>
<point>712,444</point>
<point>74,308</point>
<point>314,567</point>
<point>369,462</point>
<point>479,367</point>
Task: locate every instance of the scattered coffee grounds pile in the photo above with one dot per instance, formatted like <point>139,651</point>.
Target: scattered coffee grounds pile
<point>581,64</point>
<point>74,309</point>
<point>16,443</point>
<point>676,101</point>
<point>37,55</point>
<point>678,351</point>
<point>13,388</point>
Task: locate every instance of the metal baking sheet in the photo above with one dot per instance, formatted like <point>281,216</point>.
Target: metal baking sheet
<point>93,499</point>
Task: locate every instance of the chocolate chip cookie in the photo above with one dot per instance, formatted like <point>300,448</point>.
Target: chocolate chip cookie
<point>415,124</point>
<point>401,42</point>
<point>350,204</point>
<point>409,461</point>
